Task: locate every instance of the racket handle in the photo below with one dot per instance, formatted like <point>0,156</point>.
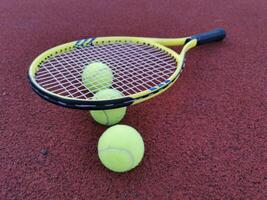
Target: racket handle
<point>208,37</point>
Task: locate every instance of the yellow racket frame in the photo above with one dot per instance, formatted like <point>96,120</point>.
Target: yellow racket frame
<point>160,43</point>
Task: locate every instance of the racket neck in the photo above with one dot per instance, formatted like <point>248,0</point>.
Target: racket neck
<point>191,44</point>
<point>169,41</point>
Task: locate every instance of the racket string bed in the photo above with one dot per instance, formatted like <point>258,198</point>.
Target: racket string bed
<point>125,70</point>
<point>135,67</point>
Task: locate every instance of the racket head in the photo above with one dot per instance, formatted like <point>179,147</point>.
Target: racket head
<point>57,62</point>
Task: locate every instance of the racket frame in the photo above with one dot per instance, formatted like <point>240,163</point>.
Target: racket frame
<point>136,98</point>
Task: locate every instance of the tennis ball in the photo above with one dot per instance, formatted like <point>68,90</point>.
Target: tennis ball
<point>97,76</point>
<point>120,148</point>
<point>111,116</point>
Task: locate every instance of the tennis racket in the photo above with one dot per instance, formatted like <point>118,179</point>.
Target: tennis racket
<point>142,68</point>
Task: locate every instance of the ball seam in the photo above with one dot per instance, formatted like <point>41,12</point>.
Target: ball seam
<point>122,150</point>
<point>107,119</point>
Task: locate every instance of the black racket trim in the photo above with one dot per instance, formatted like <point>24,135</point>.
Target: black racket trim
<point>83,105</point>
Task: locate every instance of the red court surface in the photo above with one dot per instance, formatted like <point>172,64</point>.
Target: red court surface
<point>205,138</point>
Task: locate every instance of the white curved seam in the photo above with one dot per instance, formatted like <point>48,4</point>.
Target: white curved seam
<point>107,119</point>
<point>122,150</point>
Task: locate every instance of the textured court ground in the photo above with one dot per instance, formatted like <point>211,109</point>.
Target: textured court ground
<point>205,137</point>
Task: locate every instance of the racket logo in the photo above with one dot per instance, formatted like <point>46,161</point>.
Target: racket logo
<point>159,85</point>
<point>84,42</point>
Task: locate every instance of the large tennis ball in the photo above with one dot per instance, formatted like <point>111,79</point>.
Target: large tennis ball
<point>97,76</point>
<point>111,116</point>
<point>120,148</point>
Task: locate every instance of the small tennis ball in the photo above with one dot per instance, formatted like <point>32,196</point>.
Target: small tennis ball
<point>120,148</point>
<point>97,76</point>
<point>111,116</point>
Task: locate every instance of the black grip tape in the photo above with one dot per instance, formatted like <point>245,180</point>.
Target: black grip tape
<point>208,37</point>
